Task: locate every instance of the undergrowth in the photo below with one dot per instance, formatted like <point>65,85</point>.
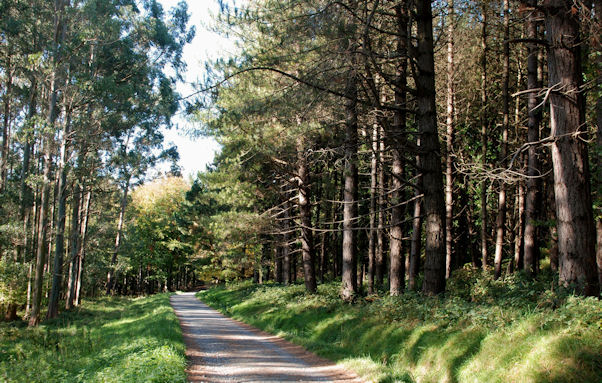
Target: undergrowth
<point>481,330</point>
<point>104,340</point>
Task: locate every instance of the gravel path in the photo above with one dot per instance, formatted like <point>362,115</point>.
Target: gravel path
<point>221,349</point>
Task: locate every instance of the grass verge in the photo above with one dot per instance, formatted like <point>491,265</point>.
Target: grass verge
<point>105,340</point>
<point>481,331</point>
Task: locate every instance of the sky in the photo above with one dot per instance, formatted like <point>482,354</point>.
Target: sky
<point>196,153</point>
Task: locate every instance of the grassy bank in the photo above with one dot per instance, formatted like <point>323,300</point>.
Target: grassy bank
<point>104,340</point>
<point>481,331</point>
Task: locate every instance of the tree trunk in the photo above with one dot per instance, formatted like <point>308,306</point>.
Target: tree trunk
<point>349,274</point>
<point>82,247</point>
<point>276,249</point>
<point>373,197</point>
<point>430,158</point>
<point>120,222</point>
<point>59,250</point>
<point>379,256</point>
<point>484,128</point>
<point>533,197</point>
<point>59,35</point>
<point>76,219</point>
<point>397,262</point>
<point>501,215</point>
<point>286,254</point>
<point>416,240</point>
<point>8,71</point>
<point>519,252</point>
<point>34,318</point>
<point>598,26</point>
<point>304,202</point>
<point>576,231</point>
<point>449,124</point>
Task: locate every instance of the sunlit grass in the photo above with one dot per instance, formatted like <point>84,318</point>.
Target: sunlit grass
<point>104,340</point>
<point>481,331</point>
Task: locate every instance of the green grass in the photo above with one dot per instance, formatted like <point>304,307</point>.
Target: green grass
<point>481,331</point>
<point>104,340</point>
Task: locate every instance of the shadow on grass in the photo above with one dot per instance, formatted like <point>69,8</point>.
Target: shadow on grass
<point>109,340</point>
<point>415,338</point>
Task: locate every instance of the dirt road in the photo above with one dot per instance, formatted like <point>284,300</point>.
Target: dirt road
<point>220,349</point>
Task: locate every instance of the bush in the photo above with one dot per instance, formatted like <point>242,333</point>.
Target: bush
<point>13,276</point>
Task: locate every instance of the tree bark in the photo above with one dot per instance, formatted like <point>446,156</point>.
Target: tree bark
<point>82,247</point>
<point>533,197</point>
<point>286,254</point>
<point>430,155</point>
<point>59,250</point>
<point>74,246</point>
<point>349,274</point>
<point>373,196</point>
<point>598,49</point>
<point>484,126</point>
<point>42,224</point>
<point>416,240</point>
<point>6,122</point>
<point>519,253</point>
<point>449,124</point>
<point>380,262</point>
<point>396,256</point>
<point>304,202</point>
<point>576,231</point>
<point>120,223</point>
<point>501,214</point>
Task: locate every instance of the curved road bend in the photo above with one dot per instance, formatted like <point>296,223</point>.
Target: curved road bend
<point>221,349</point>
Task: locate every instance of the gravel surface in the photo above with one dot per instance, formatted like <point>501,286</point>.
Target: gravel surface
<point>221,349</point>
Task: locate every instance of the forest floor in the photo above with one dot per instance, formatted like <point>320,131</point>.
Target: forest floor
<point>481,330</point>
<point>110,339</point>
<point>221,349</point>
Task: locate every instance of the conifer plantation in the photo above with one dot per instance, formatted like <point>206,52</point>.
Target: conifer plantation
<point>410,187</point>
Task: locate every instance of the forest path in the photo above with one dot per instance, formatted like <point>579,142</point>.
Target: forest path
<point>220,349</point>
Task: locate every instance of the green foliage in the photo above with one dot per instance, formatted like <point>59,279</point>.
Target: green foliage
<point>13,275</point>
<point>481,330</point>
<point>154,239</point>
<point>104,340</point>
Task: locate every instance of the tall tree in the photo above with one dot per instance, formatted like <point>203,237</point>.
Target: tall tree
<point>398,130</point>
<point>430,160</point>
<point>449,124</point>
<point>574,213</point>
<point>533,195</point>
<point>501,215</point>
<point>59,35</point>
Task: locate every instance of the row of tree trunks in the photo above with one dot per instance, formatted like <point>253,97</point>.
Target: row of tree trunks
<point>576,231</point>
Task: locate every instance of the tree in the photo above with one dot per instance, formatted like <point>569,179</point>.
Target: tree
<point>430,161</point>
<point>576,234</point>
